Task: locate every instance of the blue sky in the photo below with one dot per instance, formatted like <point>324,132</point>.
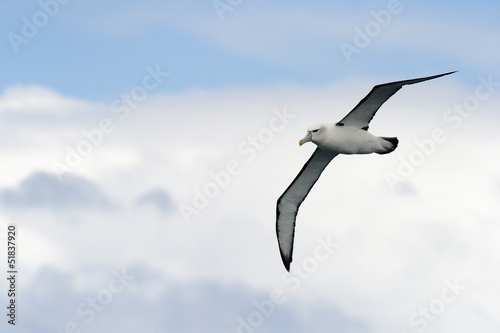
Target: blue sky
<point>145,201</point>
<point>95,50</point>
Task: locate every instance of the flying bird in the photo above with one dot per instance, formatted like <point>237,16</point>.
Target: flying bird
<point>348,136</point>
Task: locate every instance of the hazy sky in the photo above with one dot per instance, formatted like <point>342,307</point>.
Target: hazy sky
<point>144,146</point>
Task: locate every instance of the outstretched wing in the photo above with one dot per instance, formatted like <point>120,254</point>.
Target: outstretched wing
<point>289,202</point>
<point>363,113</point>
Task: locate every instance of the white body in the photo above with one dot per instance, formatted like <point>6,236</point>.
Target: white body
<point>346,140</point>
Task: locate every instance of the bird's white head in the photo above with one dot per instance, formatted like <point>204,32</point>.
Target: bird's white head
<point>313,134</point>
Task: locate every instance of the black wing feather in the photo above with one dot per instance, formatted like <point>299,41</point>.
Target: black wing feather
<point>363,113</point>
<point>288,204</point>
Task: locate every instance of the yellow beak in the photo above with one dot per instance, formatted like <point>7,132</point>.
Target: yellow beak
<point>307,138</point>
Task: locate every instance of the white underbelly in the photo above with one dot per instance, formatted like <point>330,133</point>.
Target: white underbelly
<point>350,140</point>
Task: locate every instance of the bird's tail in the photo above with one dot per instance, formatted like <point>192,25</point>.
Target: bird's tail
<point>388,144</point>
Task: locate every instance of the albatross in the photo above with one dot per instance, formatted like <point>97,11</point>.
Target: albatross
<point>348,136</point>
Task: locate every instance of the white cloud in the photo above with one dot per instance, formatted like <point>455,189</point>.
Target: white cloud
<point>396,249</point>
<point>38,99</point>
<point>41,190</point>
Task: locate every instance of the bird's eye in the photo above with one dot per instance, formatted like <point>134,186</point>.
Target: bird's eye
<point>314,131</point>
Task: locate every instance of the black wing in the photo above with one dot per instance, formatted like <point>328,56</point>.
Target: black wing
<point>363,113</point>
<point>289,202</point>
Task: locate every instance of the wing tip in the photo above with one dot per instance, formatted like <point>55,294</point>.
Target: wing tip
<point>286,262</point>
<point>286,258</point>
<point>439,75</point>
